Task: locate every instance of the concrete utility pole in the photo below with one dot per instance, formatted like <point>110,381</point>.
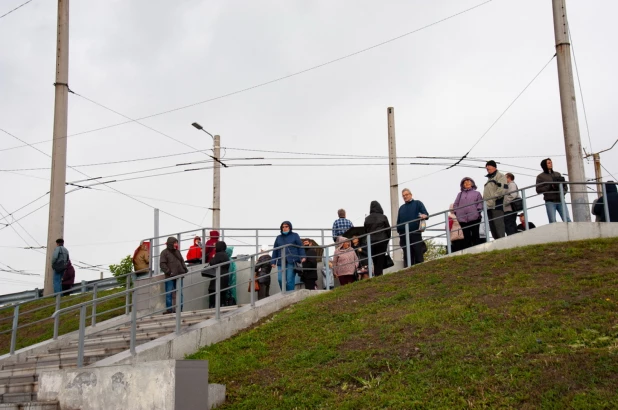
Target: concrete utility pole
<point>216,184</point>
<point>570,123</point>
<point>55,228</point>
<point>392,161</point>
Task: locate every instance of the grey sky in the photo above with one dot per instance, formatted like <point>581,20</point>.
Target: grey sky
<point>448,84</point>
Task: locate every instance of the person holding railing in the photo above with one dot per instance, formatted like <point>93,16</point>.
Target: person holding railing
<point>410,213</point>
<point>493,194</point>
<point>293,254</point>
<point>171,264</point>
<point>221,256</point>
<point>194,255</point>
<point>510,214</point>
<point>612,203</point>
<point>546,185</point>
<point>345,261</point>
<point>468,207</point>
<point>377,221</point>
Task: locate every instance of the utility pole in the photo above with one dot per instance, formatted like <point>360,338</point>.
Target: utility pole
<point>570,123</point>
<point>598,175</point>
<point>216,184</point>
<point>392,163</point>
<point>55,228</point>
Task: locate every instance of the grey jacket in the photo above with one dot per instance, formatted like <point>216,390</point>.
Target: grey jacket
<point>494,189</point>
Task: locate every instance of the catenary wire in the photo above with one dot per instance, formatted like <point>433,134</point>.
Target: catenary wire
<point>276,79</point>
<point>16,8</point>
<point>581,93</point>
<point>610,174</point>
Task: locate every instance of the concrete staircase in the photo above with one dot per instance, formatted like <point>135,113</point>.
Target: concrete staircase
<point>19,380</point>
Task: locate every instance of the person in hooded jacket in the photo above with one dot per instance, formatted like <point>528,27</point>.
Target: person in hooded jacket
<point>194,255</point>
<point>293,254</point>
<point>171,264</point>
<point>612,204</point>
<point>377,221</point>
<point>210,245</point>
<point>345,261</point>
<point>220,256</point>
<point>262,275</point>
<point>68,279</point>
<point>231,299</point>
<point>310,266</point>
<point>141,258</point>
<point>550,189</point>
<point>468,207</point>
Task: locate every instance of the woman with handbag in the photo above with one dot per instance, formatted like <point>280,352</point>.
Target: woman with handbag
<point>377,221</point>
<point>511,203</point>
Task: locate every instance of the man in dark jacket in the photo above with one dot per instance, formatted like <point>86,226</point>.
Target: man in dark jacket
<point>410,213</point>
<point>221,257</point>
<point>612,204</point>
<point>377,221</point>
<point>292,254</point>
<point>550,189</point>
<point>262,274</point>
<point>171,264</point>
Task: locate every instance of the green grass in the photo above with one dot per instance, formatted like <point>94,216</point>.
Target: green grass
<point>533,327</point>
<point>33,333</point>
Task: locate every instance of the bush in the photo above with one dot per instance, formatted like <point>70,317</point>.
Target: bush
<point>122,269</point>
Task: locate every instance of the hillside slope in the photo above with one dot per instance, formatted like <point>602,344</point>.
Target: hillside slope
<point>533,327</point>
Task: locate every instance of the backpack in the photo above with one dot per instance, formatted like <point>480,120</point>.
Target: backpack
<point>61,263</point>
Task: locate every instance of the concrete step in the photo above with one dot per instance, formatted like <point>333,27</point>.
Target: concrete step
<point>33,370</point>
<point>32,405</point>
<point>63,359</point>
<point>114,338</point>
<point>17,397</point>
<point>30,378</point>
<point>151,326</point>
<point>31,387</point>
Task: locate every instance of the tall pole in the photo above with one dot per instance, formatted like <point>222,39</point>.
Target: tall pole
<point>156,251</point>
<point>392,162</point>
<point>55,227</point>
<point>570,123</point>
<point>216,184</point>
<point>598,176</point>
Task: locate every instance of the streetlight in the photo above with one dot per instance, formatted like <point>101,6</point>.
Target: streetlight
<point>216,177</point>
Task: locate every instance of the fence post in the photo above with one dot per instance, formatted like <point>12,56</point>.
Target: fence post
<point>257,241</point>
<point>562,203</point>
<point>525,206</point>
<point>327,268</point>
<point>218,293</point>
<point>94,305</point>
<point>36,293</point>
<point>203,245</point>
<point>178,303</point>
<point>133,326</point>
<point>283,272</point>
<point>126,300</point>
<point>408,254</point>
<point>448,234</point>
<point>57,318</point>
<point>150,257</point>
<point>14,331</point>
<point>486,221</point>
<point>82,333</point>
<point>252,280</point>
<point>369,261</point>
<point>322,235</point>
<point>84,288</point>
<point>605,205</point>
<point>222,234</point>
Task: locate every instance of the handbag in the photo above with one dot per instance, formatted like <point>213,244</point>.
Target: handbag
<point>209,272</point>
<point>517,205</point>
<point>388,261</point>
<point>422,225</point>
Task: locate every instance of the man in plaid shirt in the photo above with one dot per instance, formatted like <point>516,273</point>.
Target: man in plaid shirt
<point>341,225</point>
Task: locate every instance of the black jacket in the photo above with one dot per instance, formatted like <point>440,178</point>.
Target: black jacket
<point>262,269</point>
<point>171,261</point>
<point>612,203</point>
<point>376,221</point>
<point>220,257</point>
<point>551,192</point>
<point>310,265</point>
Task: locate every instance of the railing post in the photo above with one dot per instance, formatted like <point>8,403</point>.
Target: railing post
<point>252,280</point>
<point>525,206</point>
<point>178,236</point>
<point>178,303</point>
<point>150,257</point>
<point>133,326</point>
<point>257,241</point>
<point>369,261</point>
<point>82,334</point>
<point>94,305</point>
<point>222,234</point>
<point>126,300</point>
<point>448,234</point>
<point>283,272</point>
<point>605,204</point>
<point>322,235</point>
<point>408,253</point>
<point>218,293</point>
<point>14,331</point>
<point>486,220</point>
<point>36,293</point>
<point>57,317</point>
<point>84,289</point>
<point>562,203</point>
<point>327,268</point>
<point>203,245</point>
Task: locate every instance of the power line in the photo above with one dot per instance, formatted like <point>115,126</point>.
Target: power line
<point>581,93</point>
<point>276,79</point>
<point>18,7</point>
<point>610,174</point>
<point>22,227</point>
<point>504,112</point>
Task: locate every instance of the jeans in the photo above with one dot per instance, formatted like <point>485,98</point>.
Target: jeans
<point>58,281</point>
<point>552,207</point>
<point>290,277</point>
<point>170,295</point>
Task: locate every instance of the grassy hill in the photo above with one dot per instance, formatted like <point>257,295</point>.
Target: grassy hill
<point>534,327</point>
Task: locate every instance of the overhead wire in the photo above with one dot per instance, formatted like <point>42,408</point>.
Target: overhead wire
<point>16,8</point>
<point>581,93</point>
<point>276,79</point>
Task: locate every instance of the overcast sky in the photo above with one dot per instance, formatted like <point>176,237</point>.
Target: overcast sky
<point>448,84</point>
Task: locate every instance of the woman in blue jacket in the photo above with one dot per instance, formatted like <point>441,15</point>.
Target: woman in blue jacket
<point>292,254</point>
